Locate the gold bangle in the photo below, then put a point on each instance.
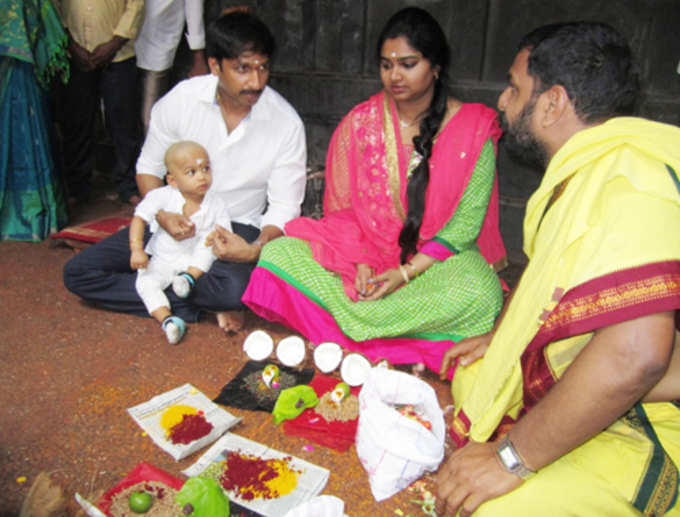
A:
(404, 273)
(414, 268)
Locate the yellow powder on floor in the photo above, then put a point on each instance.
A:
(174, 414)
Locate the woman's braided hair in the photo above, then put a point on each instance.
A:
(426, 36)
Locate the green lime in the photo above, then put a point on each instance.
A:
(140, 502)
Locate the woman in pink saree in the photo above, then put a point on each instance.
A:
(402, 263)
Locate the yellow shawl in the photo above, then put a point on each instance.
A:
(620, 208)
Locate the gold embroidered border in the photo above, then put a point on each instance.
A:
(664, 492)
(613, 299)
(392, 157)
(657, 488)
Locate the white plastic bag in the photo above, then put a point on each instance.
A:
(396, 450)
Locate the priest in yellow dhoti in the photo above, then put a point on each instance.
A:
(571, 404)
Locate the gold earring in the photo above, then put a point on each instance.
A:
(436, 76)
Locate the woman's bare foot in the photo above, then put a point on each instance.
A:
(231, 321)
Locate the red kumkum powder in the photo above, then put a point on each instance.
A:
(249, 476)
(192, 427)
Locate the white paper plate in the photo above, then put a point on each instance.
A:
(291, 350)
(327, 356)
(258, 345)
(354, 369)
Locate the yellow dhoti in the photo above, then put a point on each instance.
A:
(602, 233)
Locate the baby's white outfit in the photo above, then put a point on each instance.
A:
(169, 257)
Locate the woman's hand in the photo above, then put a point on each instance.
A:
(362, 281)
(469, 350)
(138, 259)
(177, 225)
(386, 283)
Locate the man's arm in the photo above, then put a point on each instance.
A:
(618, 367)
(193, 11)
(103, 54)
(146, 182)
(80, 57)
(130, 22)
(177, 225)
(287, 180)
(231, 247)
(126, 29)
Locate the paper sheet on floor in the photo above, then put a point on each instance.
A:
(311, 480)
(148, 417)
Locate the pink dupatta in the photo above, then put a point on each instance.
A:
(366, 178)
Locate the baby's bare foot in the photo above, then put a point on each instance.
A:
(231, 321)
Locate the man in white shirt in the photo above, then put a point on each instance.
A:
(157, 44)
(256, 143)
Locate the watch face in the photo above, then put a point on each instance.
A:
(508, 458)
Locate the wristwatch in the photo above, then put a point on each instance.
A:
(511, 460)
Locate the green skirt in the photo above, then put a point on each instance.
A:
(456, 298)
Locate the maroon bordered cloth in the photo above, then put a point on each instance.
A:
(84, 234)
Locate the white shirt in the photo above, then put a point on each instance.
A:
(260, 164)
(159, 38)
(162, 246)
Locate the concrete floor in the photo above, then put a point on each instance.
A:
(69, 371)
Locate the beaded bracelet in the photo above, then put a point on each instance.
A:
(404, 273)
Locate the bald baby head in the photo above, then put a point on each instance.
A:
(181, 151)
(188, 167)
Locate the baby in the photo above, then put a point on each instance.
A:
(179, 263)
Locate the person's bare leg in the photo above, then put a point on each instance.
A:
(195, 272)
(231, 321)
(161, 313)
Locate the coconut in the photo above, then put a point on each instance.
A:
(327, 356)
(354, 369)
(291, 350)
(258, 345)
